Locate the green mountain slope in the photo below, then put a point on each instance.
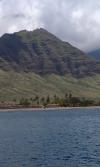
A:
(38, 63)
(17, 85)
(42, 53)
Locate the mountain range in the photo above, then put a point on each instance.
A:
(95, 54)
(37, 62)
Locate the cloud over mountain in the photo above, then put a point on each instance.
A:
(74, 21)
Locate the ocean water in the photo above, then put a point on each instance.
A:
(68, 138)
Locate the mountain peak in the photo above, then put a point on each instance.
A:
(40, 30)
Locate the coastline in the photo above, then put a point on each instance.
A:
(44, 109)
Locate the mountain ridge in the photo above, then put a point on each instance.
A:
(43, 53)
(38, 63)
(95, 54)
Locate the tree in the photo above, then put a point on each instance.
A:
(24, 101)
(36, 99)
(55, 99)
(48, 100)
(70, 95)
(42, 100)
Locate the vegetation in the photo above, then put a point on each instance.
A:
(42, 53)
(25, 102)
(36, 64)
(67, 101)
(14, 86)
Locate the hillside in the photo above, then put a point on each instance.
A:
(95, 54)
(38, 63)
(42, 53)
(16, 85)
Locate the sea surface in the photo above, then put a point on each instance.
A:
(64, 138)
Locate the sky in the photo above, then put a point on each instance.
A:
(74, 21)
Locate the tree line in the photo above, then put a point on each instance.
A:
(67, 101)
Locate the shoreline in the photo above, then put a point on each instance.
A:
(44, 109)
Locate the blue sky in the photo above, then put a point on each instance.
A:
(74, 21)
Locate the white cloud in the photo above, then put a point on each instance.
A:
(74, 21)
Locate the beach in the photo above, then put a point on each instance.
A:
(44, 109)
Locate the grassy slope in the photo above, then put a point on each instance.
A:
(15, 85)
